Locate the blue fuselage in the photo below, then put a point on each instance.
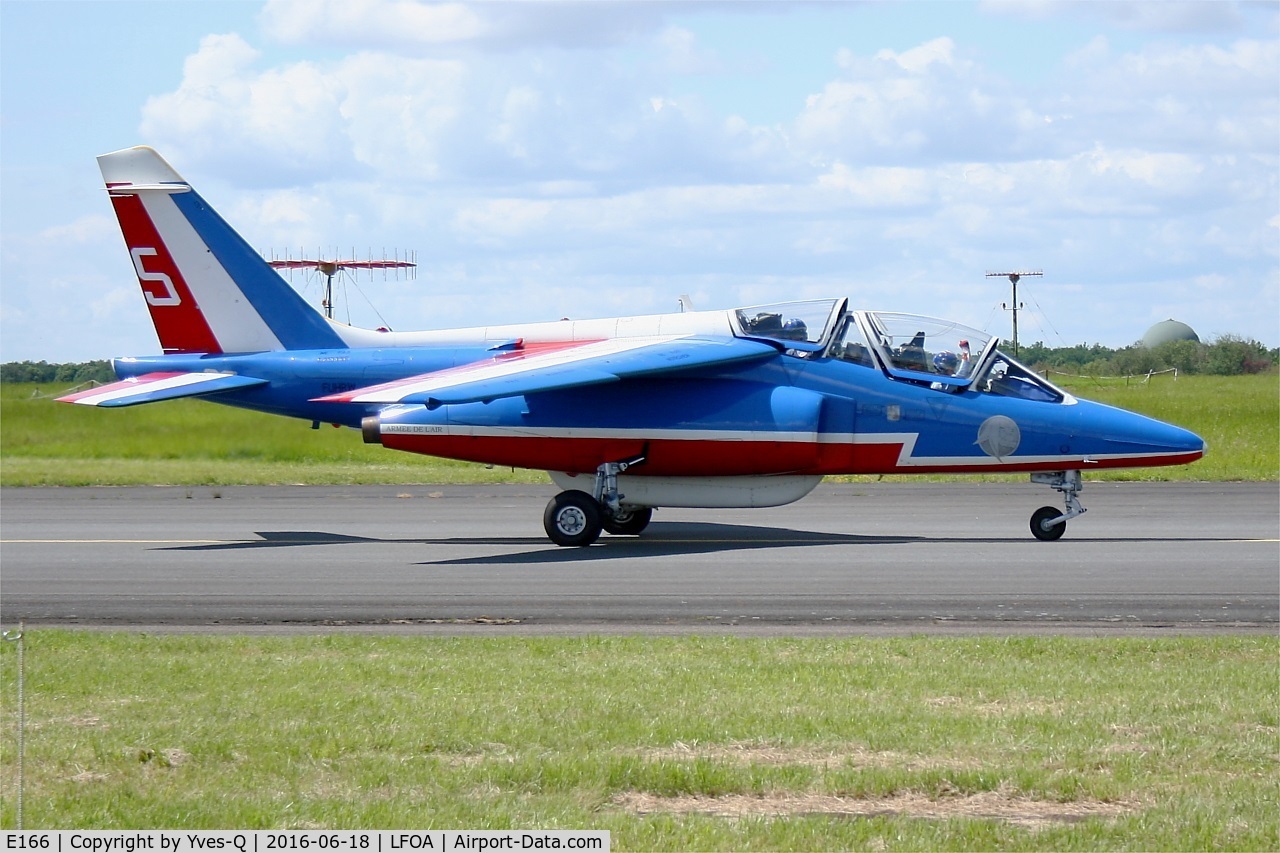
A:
(794, 413)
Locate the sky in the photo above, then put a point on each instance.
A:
(596, 159)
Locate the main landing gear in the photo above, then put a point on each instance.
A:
(1047, 523)
(575, 518)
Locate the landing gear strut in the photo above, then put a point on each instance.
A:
(1047, 523)
(575, 518)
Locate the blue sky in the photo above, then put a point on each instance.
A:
(600, 159)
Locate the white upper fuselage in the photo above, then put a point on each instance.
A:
(688, 323)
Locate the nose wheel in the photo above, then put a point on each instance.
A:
(1043, 525)
(1047, 523)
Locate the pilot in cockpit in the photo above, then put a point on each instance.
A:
(966, 361)
(794, 330)
(946, 363)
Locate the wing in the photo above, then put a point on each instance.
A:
(152, 387)
(541, 367)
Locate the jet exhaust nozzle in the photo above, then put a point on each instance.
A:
(371, 429)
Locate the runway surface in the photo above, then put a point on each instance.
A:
(863, 558)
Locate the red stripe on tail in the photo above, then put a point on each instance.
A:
(179, 322)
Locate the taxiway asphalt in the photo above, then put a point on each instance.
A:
(852, 558)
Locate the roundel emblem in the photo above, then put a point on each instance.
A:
(999, 436)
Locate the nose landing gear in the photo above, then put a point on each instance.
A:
(1047, 523)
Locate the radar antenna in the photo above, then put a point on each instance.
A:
(330, 268)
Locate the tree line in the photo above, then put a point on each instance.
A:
(1227, 355)
(68, 374)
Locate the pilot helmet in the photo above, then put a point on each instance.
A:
(946, 362)
(795, 330)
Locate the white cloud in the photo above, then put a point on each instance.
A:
(399, 115)
(1170, 16)
(916, 106)
(557, 117)
(680, 53)
(409, 26)
(912, 163)
(84, 231)
(283, 122)
(366, 22)
(880, 187)
(1201, 96)
(917, 60)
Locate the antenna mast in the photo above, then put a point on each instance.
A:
(331, 268)
(1014, 277)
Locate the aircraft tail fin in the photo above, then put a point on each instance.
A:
(207, 290)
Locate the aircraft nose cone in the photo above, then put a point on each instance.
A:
(1174, 439)
(1145, 440)
(1186, 439)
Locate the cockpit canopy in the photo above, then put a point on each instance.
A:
(914, 345)
(811, 322)
(941, 354)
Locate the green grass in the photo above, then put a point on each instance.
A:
(1239, 417)
(189, 442)
(1164, 743)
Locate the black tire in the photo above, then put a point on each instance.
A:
(628, 522)
(573, 519)
(1043, 532)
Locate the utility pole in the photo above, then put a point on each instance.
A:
(1014, 277)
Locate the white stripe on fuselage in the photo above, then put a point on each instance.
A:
(498, 368)
(645, 325)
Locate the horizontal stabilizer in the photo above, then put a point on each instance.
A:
(153, 387)
(543, 368)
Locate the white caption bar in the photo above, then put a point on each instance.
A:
(311, 840)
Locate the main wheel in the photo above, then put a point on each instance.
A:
(1041, 529)
(572, 519)
(628, 522)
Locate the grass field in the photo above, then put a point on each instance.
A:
(701, 743)
(1239, 417)
(188, 442)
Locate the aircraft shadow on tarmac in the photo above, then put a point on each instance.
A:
(666, 539)
(661, 539)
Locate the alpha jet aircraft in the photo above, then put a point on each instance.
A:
(747, 407)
